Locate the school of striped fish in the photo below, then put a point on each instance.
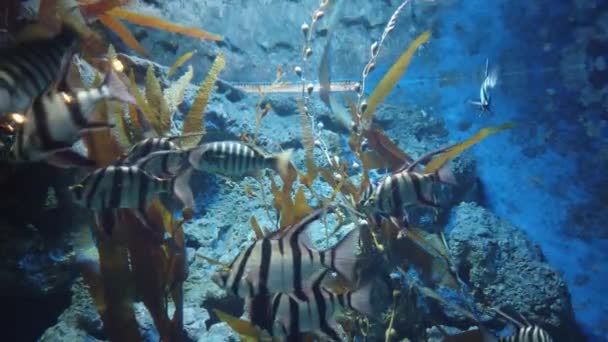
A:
(285, 281)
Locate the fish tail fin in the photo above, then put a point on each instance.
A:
(343, 258)
(117, 89)
(281, 161)
(181, 188)
(446, 176)
(195, 157)
(492, 78)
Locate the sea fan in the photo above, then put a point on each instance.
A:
(157, 102)
(195, 120)
(174, 95)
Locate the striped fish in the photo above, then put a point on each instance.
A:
(530, 333)
(167, 164)
(403, 189)
(125, 186)
(237, 159)
(489, 82)
(285, 264)
(27, 70)
(527, 333)
(56, 119)
(115, 187)
(291, 316)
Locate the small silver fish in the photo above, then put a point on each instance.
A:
(56, 119)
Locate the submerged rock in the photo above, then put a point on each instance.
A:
(79, 322)
(503, 268)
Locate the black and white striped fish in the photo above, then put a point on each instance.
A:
(527, 333)
(29, 69)
(291, 316)
(56, 119)
(125, 186)
(237, 159)
(402, 189)
(530, 333)
(167, 164)
(489, 82)
(286, 264)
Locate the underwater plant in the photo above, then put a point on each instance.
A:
(297, 196)
(361, 193)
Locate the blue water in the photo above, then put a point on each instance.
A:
(533, 192)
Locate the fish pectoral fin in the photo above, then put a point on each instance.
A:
(69, 158)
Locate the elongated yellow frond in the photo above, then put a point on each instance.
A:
(123, 32)
(179, 62)
(245, 329)
(259, 234)
(89, 8)
(149, 21)
(174, 95)
(393, 75)
(301, 208)
(156, 100)
(440, 161)
(195, 120)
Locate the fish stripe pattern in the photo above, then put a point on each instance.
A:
(241, 269)
(264, 267)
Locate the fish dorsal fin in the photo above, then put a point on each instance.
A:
(424, 159)
(296, 230)
(254, 147)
